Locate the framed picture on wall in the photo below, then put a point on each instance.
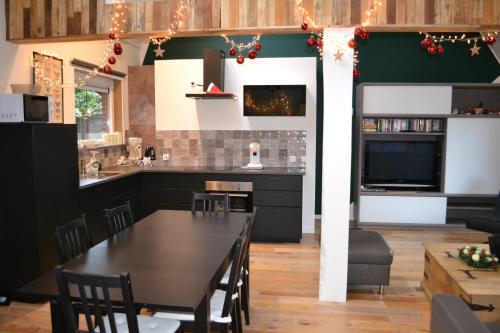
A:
(274, 101)
(48, 74)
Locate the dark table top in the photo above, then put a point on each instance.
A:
(173, 257)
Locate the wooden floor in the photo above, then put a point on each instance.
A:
(285, 290)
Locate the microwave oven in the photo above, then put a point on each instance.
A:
(19, 108)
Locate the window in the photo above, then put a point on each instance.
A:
(94, 109)
(92, 114)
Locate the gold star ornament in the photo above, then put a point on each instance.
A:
(338, 55)
(475, 49)
(159, 51)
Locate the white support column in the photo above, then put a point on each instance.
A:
(337, 133)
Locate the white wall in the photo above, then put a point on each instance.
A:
(15, 66)
(176, 112)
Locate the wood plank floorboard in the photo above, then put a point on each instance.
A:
(284, 290)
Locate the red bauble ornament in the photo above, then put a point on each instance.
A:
(432, 49)
(240, 59)
(355, 73)
(117, 45)
(258, 47)
(319, 42)
(117, 50)
(304, 26)
(232, 52)
(252, 54)
(426, 43)
(364, 35)
(107, 69)
(358, 31)
(440, 50)
(491, 39)
(310, 42)
(111, 60)
(112, 35)
(352, 43)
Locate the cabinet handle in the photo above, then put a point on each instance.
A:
(276, 178)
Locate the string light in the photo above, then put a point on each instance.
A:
(281, 102)
(118, 22)
(240, 47)
(176, 25)
(341, 44)
(433, 42)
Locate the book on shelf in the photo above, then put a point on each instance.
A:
(403, 125)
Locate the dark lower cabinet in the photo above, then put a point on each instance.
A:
(278, 224)
(279, 198)
(176, 189)
(94, 199)
(39, 180)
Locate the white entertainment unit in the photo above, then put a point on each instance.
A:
(467, 146)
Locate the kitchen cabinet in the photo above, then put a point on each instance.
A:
(176, 189)
(279, 198)
(39, 192)
(279, 202)
(94, 199)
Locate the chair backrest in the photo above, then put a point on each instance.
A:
(236, 265)
(73, 238)
(497, 206)
(118, 218)
(210, 201)
(93, 294)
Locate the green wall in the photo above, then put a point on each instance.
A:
(384, 57)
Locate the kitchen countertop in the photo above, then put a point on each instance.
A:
(125, 171)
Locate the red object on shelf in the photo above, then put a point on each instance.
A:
(213, 89)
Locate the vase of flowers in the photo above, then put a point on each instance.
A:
(477, 257)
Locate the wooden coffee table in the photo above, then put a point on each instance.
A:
(445, 273)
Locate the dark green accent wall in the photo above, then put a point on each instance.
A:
(384, 57)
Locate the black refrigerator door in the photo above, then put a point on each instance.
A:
(18, 237)
(55, 156)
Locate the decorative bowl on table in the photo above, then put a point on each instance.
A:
(477, 257)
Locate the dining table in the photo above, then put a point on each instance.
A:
(175, 260)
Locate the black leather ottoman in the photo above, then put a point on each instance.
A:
(370, 259)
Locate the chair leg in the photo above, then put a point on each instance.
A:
(245, 293)
(381, 289)
(234, 321)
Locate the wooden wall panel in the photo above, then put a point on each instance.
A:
(40, 19)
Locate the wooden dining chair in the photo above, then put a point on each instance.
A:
(73, 238)
(101, 314)
(225, 305)
(118, 218)
(245, 272)
(210, 201)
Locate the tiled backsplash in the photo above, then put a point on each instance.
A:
(107, 155)
(231, 148)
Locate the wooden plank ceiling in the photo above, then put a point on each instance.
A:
(31, 20)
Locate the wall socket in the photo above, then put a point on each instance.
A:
(165, 157)
(292, 158)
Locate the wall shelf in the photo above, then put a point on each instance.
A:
(211, 96)
(404, 133)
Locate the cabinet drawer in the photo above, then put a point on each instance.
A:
(176, 196)
(278, 224)
(278, 198)
(183, 180)
(278, 183)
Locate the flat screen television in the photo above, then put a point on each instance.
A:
(402, 164)
(274, 100)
